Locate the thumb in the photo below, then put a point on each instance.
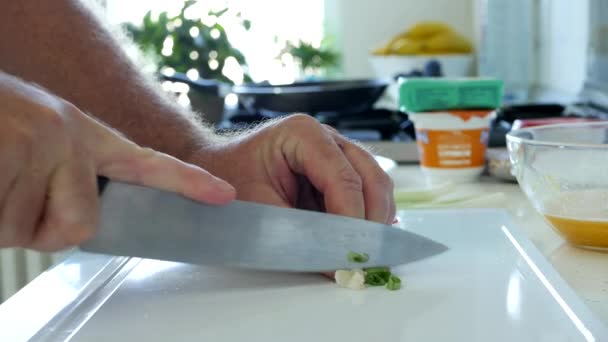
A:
(122, 160)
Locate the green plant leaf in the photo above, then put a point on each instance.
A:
(187, 4)
(246, 24)
(218, 13)
(152, 32)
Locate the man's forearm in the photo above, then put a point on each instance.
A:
(63, 46)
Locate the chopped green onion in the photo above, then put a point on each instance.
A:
(373, 276)
(377, 276)
(394, 283)
(374, 279)
(357, 257)
(384, 272)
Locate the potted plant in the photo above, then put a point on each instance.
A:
(193, 42)
(313, 61)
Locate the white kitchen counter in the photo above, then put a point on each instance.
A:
(585, 271)
(70, 282)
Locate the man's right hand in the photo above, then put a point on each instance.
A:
(50, 155)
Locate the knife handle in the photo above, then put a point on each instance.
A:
(101, 184)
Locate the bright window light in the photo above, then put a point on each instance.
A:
(297, 20)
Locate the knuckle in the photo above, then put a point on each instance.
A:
(52, 118)
(383, 180)
(330, 128)
(47, 125)
(362, 149)
(23, 139)
(22, 142)
(350, 179)
(302, 120)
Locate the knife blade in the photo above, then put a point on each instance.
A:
(148, 223)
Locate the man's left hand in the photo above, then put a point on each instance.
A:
(298, 162)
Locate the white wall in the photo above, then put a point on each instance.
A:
(562, 44)
(358, 26)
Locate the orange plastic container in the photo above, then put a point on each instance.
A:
(452, 143)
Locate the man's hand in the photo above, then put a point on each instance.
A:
(298, 162)
(50, 154)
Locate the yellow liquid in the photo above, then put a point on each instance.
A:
(581, 232)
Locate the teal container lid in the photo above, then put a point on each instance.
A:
(433, 94)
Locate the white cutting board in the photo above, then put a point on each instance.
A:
(492, 285)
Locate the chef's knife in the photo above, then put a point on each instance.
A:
(149, 223)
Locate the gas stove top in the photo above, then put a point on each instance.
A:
(376, 124)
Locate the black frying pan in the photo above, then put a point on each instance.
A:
(505, 116)
(347, 96)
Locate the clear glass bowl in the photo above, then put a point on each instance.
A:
(563, 169)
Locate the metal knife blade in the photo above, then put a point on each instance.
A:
(149, 223)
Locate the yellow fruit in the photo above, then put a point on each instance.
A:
(427, 29)
(386, 49)
(448, 43)
(395, 39)
(427, 37)
(406, 46)
(381, 51)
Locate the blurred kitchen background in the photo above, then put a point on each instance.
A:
(550, 34)
(241, 62)
(237, 61)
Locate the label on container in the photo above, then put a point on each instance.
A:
(452, 149)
